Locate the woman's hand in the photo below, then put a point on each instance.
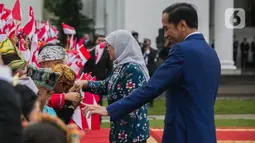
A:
(73, 96)
(93, 109)
(82, 83)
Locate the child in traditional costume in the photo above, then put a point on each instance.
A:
(49, 56)
(64, 85)
(45, 80)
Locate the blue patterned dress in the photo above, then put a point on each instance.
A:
(134, 127)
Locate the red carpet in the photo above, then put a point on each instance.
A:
(96, 136)
(222, 134)
(226, 134)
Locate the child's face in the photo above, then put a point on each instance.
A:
(44, 95)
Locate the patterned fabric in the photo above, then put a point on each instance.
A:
(17, 64)
(11, 55)
(49, 110)
(14, 61)
(6, 47)
(43, 77)
(134, 127)
(67, 75)
(51, 53)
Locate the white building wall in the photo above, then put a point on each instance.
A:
(24, 4)
(144, 16)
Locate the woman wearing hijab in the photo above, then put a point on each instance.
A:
(129, 73)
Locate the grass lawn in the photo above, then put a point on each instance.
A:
(219, 123)
(221, 107)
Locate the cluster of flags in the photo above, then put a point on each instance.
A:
(40, 33)
(84, 122)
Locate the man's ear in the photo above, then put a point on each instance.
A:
(183, 25)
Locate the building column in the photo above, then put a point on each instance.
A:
(115, 15)
(223, 36)
(100, 17)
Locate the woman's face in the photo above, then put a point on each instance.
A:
(14, 39)
(44, 95)
(33, 115)
(27, 42)
(110, 50)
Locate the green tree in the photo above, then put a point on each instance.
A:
(68, 12)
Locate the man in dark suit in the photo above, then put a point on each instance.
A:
(245, 46)
(150, 57)
(190, 75)
(253, 51)
(103, 67)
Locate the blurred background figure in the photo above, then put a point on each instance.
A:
(245, 46)
(136, 36)
(87, 41)
(235, 49)
(150, 57)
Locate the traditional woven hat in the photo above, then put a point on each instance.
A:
(43, 77)
(51, 53)
(13, 61)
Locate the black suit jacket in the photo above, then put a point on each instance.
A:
(152, 61)
(102, 69)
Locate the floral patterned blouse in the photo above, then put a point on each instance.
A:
(134, 127)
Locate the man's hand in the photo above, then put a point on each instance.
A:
(93, 109)
(73, 96)
(82, 83)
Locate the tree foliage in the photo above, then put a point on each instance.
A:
(69, 12)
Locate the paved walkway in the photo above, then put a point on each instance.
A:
(229, 116)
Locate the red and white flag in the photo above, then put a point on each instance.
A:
(42, 35)
(92, 123)
(76, 66)
(83, 53)
(16, 11)
(34, 51)
(99, 50)
(24, 52)
(69, 30)
(29, 28)
(5, 14)
(1, 11)
(53, 32)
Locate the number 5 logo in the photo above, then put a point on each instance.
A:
(235, 18)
